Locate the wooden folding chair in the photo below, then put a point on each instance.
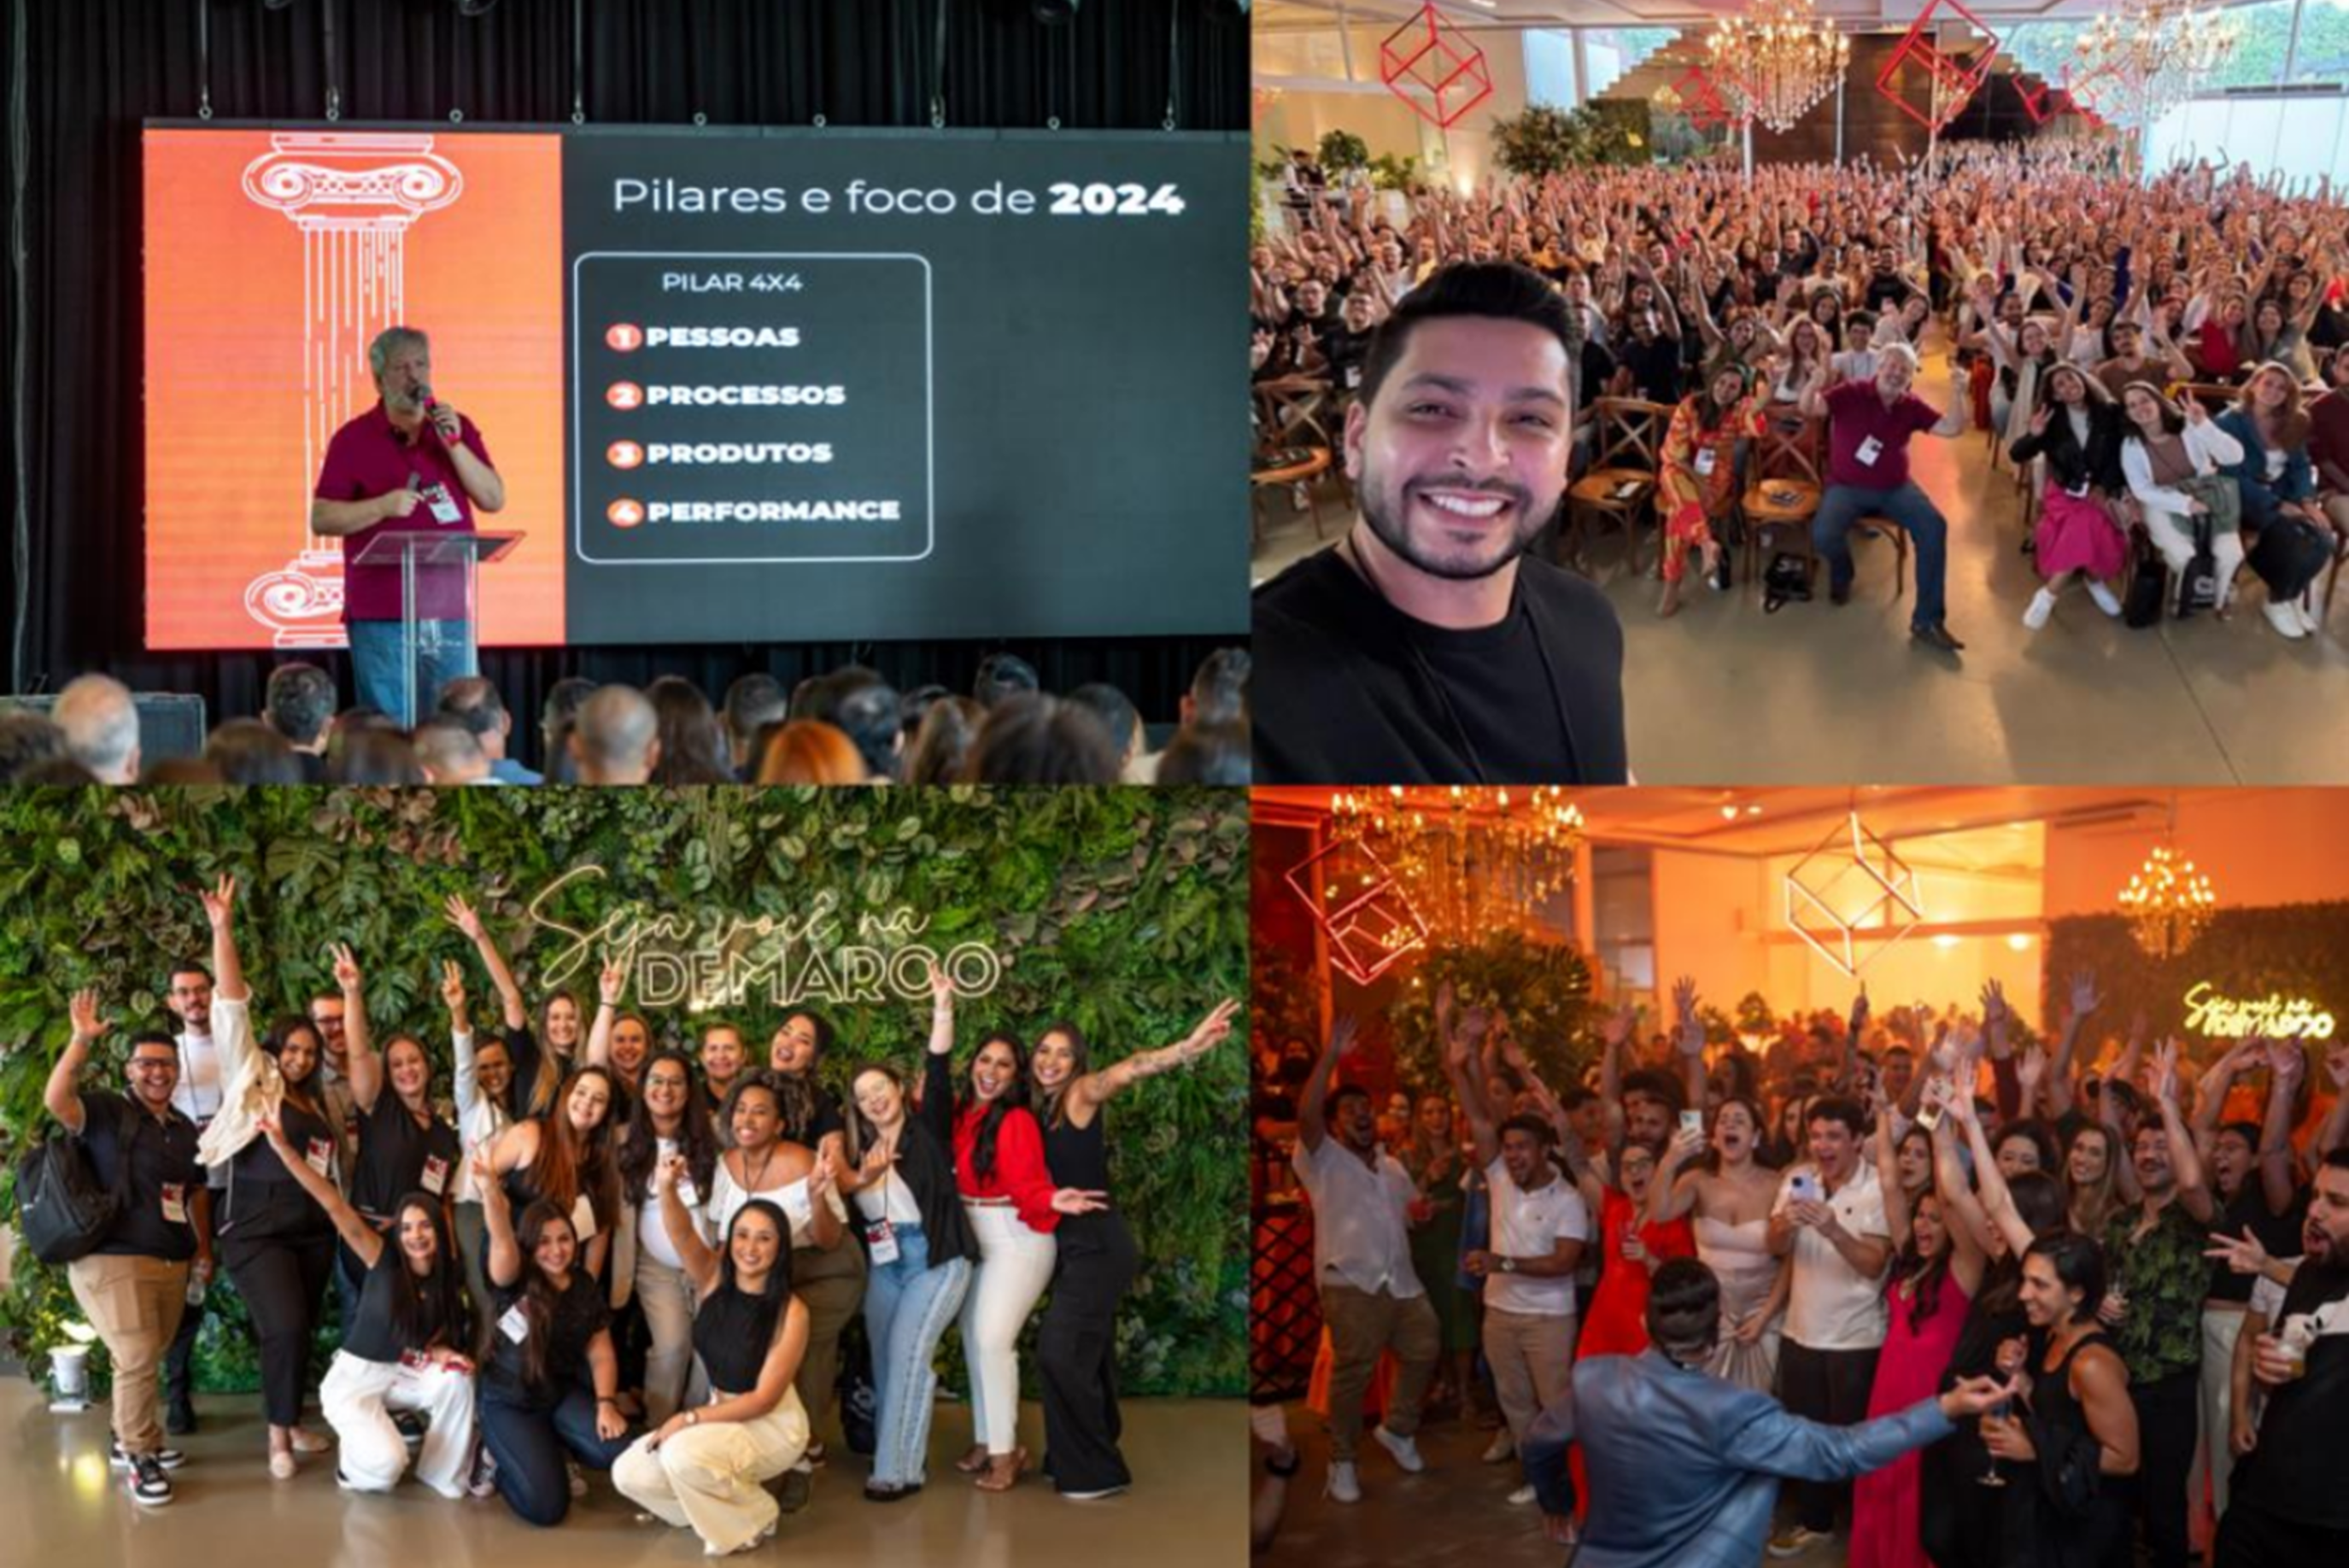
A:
(1294, 446)
(1782, 493)
(1622, 483)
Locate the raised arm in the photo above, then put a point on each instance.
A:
(1465, 1072)
(460, 1037)
(610, 986)
(2085, 1001)
(228, 970)
(1956, 419)
(697, 1256)
(365, 1064)
(1312, 1123)
(62, 1094)
(1887, 1175)
(357, 1233)
(1613, 1034)
(2276, 1184)
(1212, 1031)
(2336, 1131)
(2193, 1191)
(503, 1261)
(462, 916)
(2211, 1094)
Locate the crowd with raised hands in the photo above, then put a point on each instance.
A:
(562, 1245)
(2155, 360)
(2123, 1273)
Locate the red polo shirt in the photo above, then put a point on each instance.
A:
(1855, 414)
(370, 456)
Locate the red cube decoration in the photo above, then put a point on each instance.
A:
(1364, 914)
(1950, 76)
(1431, 64)
(2082, 92)
(1701, 101)
(2046, 101)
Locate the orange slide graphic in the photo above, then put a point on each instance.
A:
(273, 258)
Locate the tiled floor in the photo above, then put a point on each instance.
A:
(1723, 693)
(62, 1507)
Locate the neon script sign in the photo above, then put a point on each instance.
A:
(715, 960)
(2227, 1018)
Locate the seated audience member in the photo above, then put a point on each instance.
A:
(1032, 738)
(941, 748)
(1206, 754)
(2172, 458)
(1428, 646)
(692, 741)
(248, 752)
(865, 707)
(101, 725)
(615, 738)
(753, 702)
(2291, 540)
(1002, 675)
(2328, 449)
(299, 704)
(557, 716)
(808, 751)
(373, 754)
(2077, 427)
(27, 741)
(474, 702)
(450, 753)
(1121, 724)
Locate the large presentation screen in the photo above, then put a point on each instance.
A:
(740, 385)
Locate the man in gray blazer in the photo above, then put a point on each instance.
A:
(1683, 1467)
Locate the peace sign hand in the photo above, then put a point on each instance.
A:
(346, 967)
(221, 902)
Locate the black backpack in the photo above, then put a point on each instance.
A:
(2198, 586)
(63, 1211)
(1787, 577)
(2149, 591)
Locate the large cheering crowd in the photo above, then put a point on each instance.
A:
(2156, 360)
(2147, 1258)
(616, 1255)
(849, 726)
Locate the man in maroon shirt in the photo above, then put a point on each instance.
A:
(410, 462)
(1869, 426)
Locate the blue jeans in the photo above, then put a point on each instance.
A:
(529, 1446)
(1904, 504)
(907, 1307)
(445, 651)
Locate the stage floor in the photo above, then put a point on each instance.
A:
(1189, 1506)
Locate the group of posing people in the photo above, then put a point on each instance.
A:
(2039, 1312)
(1792, 309)
(616, 1256)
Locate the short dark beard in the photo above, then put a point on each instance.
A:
(1392, 533)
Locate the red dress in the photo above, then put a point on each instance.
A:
(1886, 1503)
(1618, 1324)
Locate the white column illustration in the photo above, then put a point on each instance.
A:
(353, 196)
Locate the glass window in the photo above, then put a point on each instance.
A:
(2323, 42)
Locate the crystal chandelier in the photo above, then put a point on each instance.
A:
(2167, 903)
(2142, 59)
(1777, 60)
(1471, 861)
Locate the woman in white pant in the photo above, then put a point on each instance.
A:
(404, 1347)
(649, 1269)
(1013, 1208)
(2164, 448)
(706, 1468)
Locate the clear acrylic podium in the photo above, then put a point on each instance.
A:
(421, 554)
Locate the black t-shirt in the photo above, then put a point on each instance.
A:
(264, 1198)
(397, 1157)
(731, 1334)
(2280, 1233)
(1349, 690)
(1346, 350)
(1887, 289)
(580, 1314)
(1655, 367)
(164, 1176)
(2295, 1472)
(373, 1334)
(823, 1119)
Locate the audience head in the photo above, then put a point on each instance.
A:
(1215, 754)
(2062, 1280)
(101, 723)
(299, 704)
(692, 748)
(450, 752)
(27, 741)
(615, 738)
(1036, 739)
(941, 748)
(1219, 693)
(1834, 1126)
(560, 712)
(372, 753)
(1684, 1311)
(247, 751)
(1002, 675)
(862, 706)
(753, 702)
(474, 702)
(1118, 718)
(808, 751)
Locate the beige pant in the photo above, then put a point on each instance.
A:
(1360, 1326)
(358, 1398)
(135, 1305)
(1532, 1359)
(2216, 1456)
(712, 1478)
(830, 1284)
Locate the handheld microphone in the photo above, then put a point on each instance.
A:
(431, 405)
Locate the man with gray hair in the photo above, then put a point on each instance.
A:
(101, 725)
(617, 738)
(409, 463)
(1869, 426)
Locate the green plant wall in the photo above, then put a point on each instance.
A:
(1122, 911)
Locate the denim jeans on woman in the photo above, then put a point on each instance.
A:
(908, 1306)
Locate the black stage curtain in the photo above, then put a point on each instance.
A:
(81, 76)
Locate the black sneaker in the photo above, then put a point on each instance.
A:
(148, 1485)
(170, 1458)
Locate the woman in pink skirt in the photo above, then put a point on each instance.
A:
(2075, 425)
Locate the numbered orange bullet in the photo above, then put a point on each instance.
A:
(624, 395)
(625, 337)
(625, 514)
(624, 454)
